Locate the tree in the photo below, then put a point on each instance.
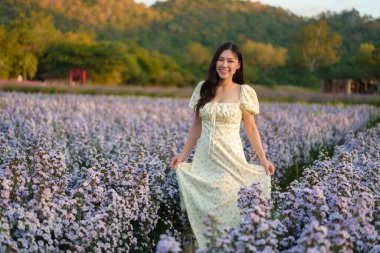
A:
(264, 55)
(5, 65)
(375, 63)
(317, 46)
(196, 58)
(105, 62)
(27, 38)
(364, 60)
(365, 51)
(198, 54)
(28, 64)
(34, 32)
(81, 36)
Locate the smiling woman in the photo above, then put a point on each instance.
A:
(211, 182)
(227, 64)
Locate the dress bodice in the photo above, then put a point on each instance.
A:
(221, 112)
(248, 102)
(222, 120)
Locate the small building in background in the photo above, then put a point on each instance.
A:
(350, 86)
(77, 76)
(71, 77)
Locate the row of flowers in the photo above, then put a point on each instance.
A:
(334, 207)
(83, 173)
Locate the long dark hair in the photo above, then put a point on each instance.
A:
(208, 89)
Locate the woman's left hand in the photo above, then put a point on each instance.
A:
(269, 167)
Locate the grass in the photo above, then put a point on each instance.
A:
(277, 93)
(288, 88)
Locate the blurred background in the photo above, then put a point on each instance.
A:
(329, 46)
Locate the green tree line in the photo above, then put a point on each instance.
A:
(172, 42)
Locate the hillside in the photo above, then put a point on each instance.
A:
(184, 30)
(168, 26)
(210, 22)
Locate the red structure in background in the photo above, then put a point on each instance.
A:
(78, 75)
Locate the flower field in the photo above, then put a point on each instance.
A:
(91, 174)
(334, 207)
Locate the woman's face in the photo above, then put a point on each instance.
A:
(227, 64)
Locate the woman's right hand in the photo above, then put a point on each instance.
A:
(177, 160)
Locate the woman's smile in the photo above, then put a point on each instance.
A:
(227, 64)
(223, 71)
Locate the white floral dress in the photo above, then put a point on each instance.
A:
(219, 168)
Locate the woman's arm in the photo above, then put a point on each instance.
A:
(192, 138)
(193, 135)
(255, 141)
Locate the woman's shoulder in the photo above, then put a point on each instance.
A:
(249, 99)
(247, 86)
(199, 85)
(196, 95)
(248, 90)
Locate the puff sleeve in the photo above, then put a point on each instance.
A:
(195, 96)
(250, 103)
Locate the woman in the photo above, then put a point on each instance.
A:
(219, 168)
